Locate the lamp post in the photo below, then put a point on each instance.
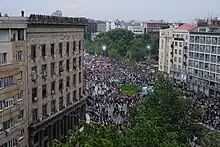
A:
(104, 50)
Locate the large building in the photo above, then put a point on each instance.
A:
(116, 24)
(12, 91)
(173, 51)
(54, 77)
(154, 26)
(204, 58)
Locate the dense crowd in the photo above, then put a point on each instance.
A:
(106, 103)
(209, 108)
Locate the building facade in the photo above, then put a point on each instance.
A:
(116, 24)
(136, 29)
(54, 79)
(173, 51)
(155, 26)
(12, 111)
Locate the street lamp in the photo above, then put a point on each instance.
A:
(104, 50)
(148, 47)
(103, 47)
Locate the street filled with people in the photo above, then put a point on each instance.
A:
(106, 103)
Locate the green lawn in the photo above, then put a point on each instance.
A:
(130, 89)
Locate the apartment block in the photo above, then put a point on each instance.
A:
(204, 58)
(54, 79)
(12, 111)
(165, 42)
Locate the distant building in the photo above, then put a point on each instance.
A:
(116, 24)
(155, 26)
(90, 29)
(136, 29)
(57, 13)
(101, 26)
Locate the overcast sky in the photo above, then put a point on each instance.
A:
(171, 10)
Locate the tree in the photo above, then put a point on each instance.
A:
(120, 43)
(211, 139)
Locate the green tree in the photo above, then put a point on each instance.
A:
(211, 139)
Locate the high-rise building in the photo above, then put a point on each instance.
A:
(54, 77)
(12, 98)
(204, 58)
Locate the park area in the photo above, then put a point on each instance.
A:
(130, 89)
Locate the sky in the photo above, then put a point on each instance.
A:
(170, 10)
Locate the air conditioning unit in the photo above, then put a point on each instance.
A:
(35, 98)
(7, 131)
(40, 119)
(33, 60)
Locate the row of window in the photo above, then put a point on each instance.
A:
(10, 143)
(53, 86)
(203, 65)
(53, 106)
(204, 57)
(6, 103)
(205, 48)
(6, 82)
(205, 40)
(52, 49)
(204, 74)
(4, 57)
(44, 68)
(7, 124)
(180, 44)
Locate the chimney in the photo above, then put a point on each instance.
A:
(22, 13)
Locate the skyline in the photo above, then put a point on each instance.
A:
(109, 10)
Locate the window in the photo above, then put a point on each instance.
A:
(61, 66)
(175, 51)
(80, 92)
(179, 66)
(180, 44)
(3, 58)
(61, 84)
(6, 82)
(61, 49)
(53, 84)
(74, 96)
(176, 43)
(21, 34)
(10, 143)
(67, 48)
(53, 106)
(43, 50)
(80, 60)
(74, 63)
(18, 56)
(34, 114)
(68, 99)
(74, 80)
(80, 45)
(52, 69)
(60, 103)
(180, 60)
(74, 47)
(44, 91)
(8, 124)
(44, 70)
(21, 114)
(67, 65)
(80, 77)
(180, 52)
(34, 94)
(44, 110)
(52, 49)
(6, 103)
(33, 52)
(68, 81)
(175, 59)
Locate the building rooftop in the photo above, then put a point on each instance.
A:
(50, 20)
(156, 21)
(187, 27)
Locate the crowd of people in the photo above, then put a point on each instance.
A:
(107, 104)
(209, 108)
